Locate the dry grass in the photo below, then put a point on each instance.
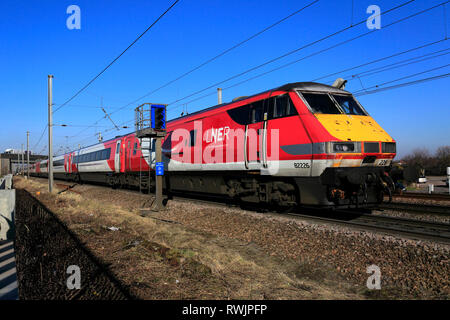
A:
(157, 259)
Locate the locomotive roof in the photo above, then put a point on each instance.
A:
(311, 86)
(304, 86)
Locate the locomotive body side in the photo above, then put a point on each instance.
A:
(324, 159)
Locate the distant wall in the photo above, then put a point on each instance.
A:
(5, 167)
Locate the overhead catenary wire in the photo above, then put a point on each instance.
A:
(274, 59)
(322, 77)
(296, 50)
(318, 52)
(402, 78)
(400, 64)
(40, 138)
(405, 84)
(381, 59)
(438, 77)
(116, 58)
(341, 31)
(397, 64)
(220, 54)
(109, 65)
(214, 58)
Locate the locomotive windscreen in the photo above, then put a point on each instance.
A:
(349, 105)
(321, 103)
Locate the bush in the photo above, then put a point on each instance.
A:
(432, 164)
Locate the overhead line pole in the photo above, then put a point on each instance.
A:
(21, 167)
(117, 58)
(50, 132)
(28, 154)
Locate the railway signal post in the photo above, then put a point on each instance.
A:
(151, 123)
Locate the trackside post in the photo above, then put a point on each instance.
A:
(50, 137)
(151, 123)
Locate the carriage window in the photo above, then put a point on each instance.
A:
(58, 163)
(134, 148)
(193, 137)
(349, 105)
(167, 145)
(321, 103)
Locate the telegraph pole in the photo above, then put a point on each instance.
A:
(28, 154)
(50, 135)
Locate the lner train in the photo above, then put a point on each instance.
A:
(302, 143)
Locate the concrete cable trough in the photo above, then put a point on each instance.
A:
(8, 273)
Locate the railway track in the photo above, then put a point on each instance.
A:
(416, 208)
(422, 196)
(416, 229)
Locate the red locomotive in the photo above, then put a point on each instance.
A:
(301, 143)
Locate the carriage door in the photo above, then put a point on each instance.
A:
(66, 163)
(268, 110)
(253, 136)
(69, 163)
(117, 156)
(129, 154)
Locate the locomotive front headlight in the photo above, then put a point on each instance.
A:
(344, 147)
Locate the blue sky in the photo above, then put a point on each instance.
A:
(35, 42)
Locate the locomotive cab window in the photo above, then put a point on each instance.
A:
(349, 105)
(321, 103)
(277, 107)
(241, 115)
(256, 112)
